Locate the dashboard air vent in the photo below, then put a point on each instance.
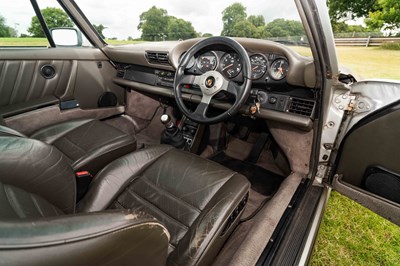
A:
(120, 73)
(157, 58)
(301, 106)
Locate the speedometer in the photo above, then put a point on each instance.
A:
(231, 65)
(207, 62)
(258, 66)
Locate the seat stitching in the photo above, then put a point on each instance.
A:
(169, 193)
(74, 144)
(36, 204)
(229, 178)
(56, 210)
(11, 201)
(117, 203)
(109, 142)
(87, 128)
(160, 210)
(92, 152)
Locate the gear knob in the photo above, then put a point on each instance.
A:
(166, 120)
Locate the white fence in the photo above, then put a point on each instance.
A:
(369, 41)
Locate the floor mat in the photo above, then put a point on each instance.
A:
(262, 181)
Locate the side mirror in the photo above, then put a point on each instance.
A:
(66, 37)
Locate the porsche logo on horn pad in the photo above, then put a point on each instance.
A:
(210, 81)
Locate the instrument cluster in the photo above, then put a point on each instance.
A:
(230, 65)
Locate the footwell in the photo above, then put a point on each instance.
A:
(262, 181)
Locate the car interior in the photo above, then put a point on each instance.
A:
(187, 152)
(114, 144)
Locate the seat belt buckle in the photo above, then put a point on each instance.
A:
(83, 174)
(83, 180)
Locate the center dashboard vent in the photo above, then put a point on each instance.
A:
(301, 106)
(157, 58)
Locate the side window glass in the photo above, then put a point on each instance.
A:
(15, 25)
(20, 27)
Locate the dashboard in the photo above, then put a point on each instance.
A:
(283, 82)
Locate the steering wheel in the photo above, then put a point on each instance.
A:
(212, 82)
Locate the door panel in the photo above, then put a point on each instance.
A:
(368, 165)
(27, 81)
(23, 80)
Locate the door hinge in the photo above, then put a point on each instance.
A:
(352, 103)
(323, 173)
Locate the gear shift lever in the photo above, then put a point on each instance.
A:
(172, 134)
(166, 120)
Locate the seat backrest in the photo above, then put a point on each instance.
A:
(38, 168)
(102, 238)
(37, 189)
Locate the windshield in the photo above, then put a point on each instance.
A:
(132, 21)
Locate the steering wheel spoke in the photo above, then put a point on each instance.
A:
(233, 88)
(202, 107)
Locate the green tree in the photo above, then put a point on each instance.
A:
(386, 15)
(230, 16)
(54, 17)
(342, 27)
(244, 28)
(179, 29)
(99, 28)
(153, 24)
(284, 28)
(378, 14)
(206, 35)
(257, 21)
(340, 9)
(6, 31)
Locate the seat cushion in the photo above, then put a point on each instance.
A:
(191, 196)
(89, 144)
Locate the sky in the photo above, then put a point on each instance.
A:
(121, 17)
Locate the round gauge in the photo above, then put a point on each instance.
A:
(231, 65)
(191, 63)
(279, 69)
(258, 66)
(207, 62)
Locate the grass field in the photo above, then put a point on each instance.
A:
(44, 42)
(350, 234)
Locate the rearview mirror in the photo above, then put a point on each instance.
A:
(66, 36)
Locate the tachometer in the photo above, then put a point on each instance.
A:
(207, 62)
(258, 66)
(231, 65)
(279, 69)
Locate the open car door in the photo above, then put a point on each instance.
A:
(367, 164)
(359, 153)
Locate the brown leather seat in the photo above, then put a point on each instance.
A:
(198, 201)
(88, 144)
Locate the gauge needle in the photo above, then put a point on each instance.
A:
(280, 68)
(227, 67)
